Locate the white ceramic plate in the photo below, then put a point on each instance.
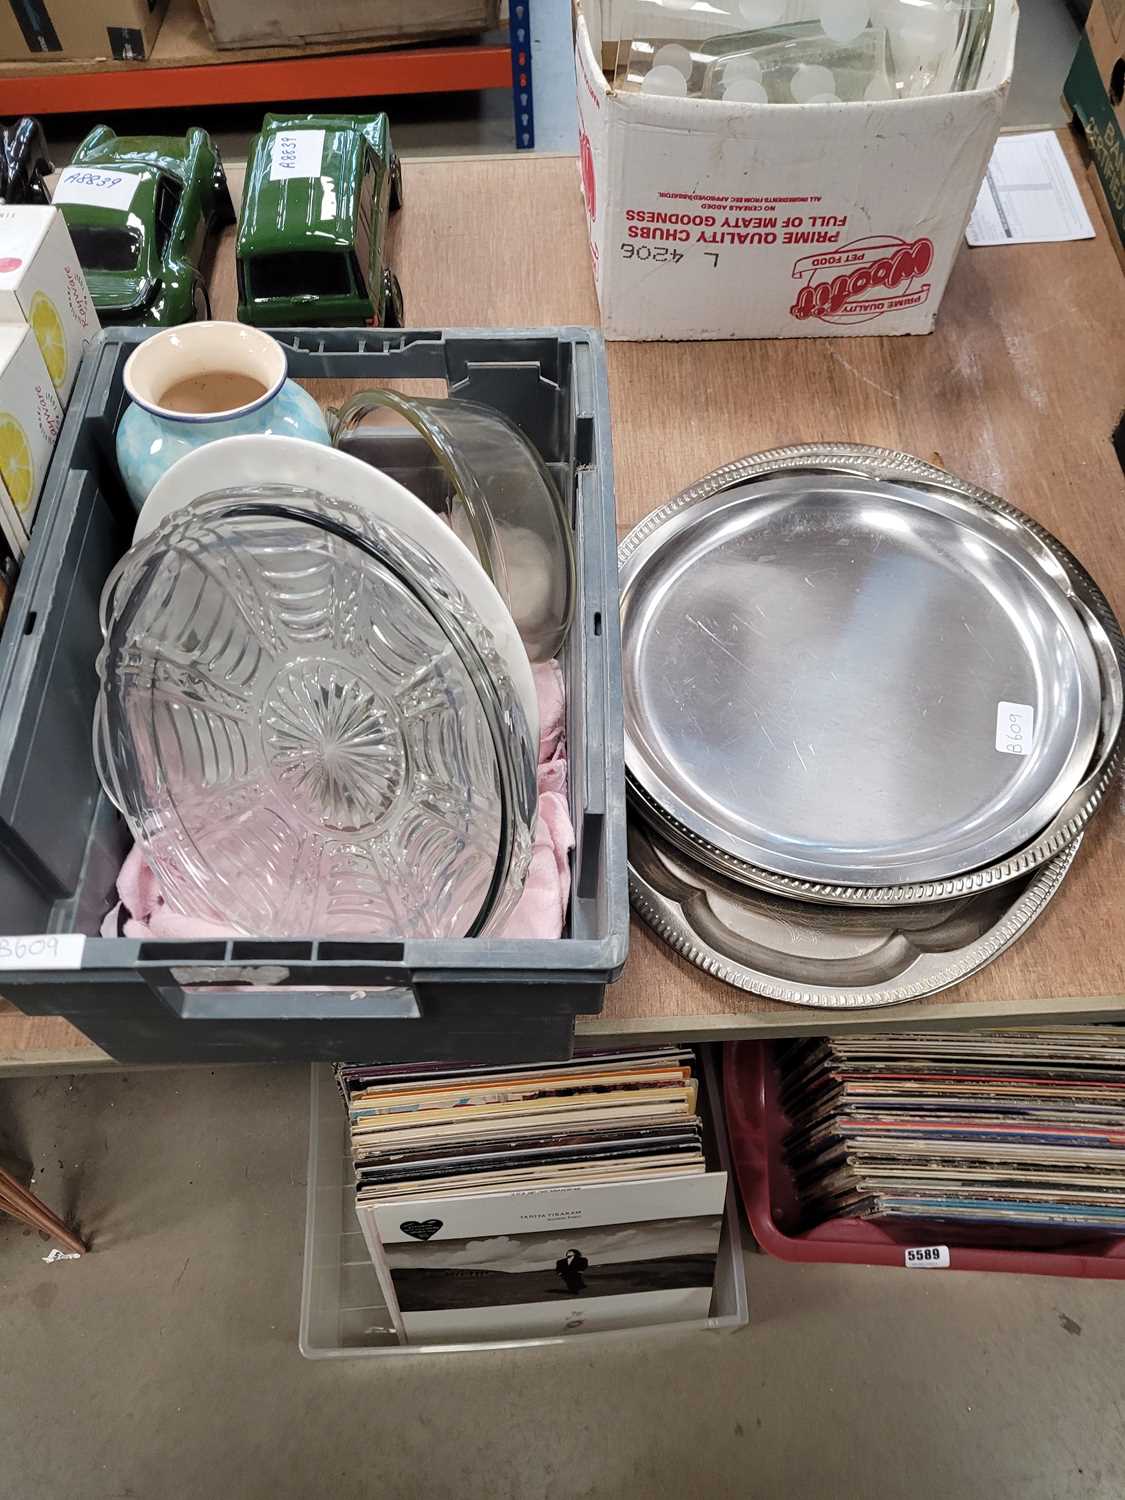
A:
(256, 459)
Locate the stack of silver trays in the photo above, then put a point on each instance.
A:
(869, 710)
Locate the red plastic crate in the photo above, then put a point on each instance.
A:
(757, 1126)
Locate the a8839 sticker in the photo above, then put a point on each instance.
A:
(99, 188)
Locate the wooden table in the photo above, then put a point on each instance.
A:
(1018, 391)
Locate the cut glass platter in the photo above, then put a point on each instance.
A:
(325, 473)
(308, 728)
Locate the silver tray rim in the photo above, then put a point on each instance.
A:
(866, 462)
(667, 920)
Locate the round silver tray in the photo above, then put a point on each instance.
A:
(686, 811)
(837, 958)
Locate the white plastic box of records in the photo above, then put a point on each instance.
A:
(589, 1199)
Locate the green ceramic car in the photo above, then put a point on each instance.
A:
(313, 228)
(139, 210)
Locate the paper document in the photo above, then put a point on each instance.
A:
(1028, 195)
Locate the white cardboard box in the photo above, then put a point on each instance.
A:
(30, 418)
(42, 284)
(710, 220)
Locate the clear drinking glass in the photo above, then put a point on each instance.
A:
(803, 51)
(308, 729)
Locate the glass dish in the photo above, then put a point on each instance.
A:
(308, 729)
(805, 51)
(473, 466)
(251, 460)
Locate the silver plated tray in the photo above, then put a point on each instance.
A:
(918, 793)
(831, 957)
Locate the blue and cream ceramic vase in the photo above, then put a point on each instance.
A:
(188, 386)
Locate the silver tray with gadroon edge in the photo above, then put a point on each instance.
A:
(838, 958)
(698, 783)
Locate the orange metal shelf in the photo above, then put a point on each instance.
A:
(421, 70)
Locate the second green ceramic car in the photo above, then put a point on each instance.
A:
(312, 233)
(139, 209)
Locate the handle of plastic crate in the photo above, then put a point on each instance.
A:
(597, 630)
(387, 1003)
(263, 992)
(597, 712)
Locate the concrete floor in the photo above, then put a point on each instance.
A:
(164, 1365)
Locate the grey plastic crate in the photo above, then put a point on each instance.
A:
(343, 1311)
(61, 842)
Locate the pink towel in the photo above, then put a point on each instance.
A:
(540, 912)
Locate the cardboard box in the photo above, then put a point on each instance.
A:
(30, 418)
(43, 285)
(710, 220)
(1094, 89)
(52, 30)
(285, 23)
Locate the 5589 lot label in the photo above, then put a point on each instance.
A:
(927, 1257)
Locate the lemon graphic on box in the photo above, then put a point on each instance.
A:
(47, 327)
(16, 466)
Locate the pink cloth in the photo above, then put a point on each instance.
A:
(540, 912)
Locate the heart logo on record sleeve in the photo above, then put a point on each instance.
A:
(421, 1229)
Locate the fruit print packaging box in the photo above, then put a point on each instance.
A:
(30, 419)
(42, 284)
